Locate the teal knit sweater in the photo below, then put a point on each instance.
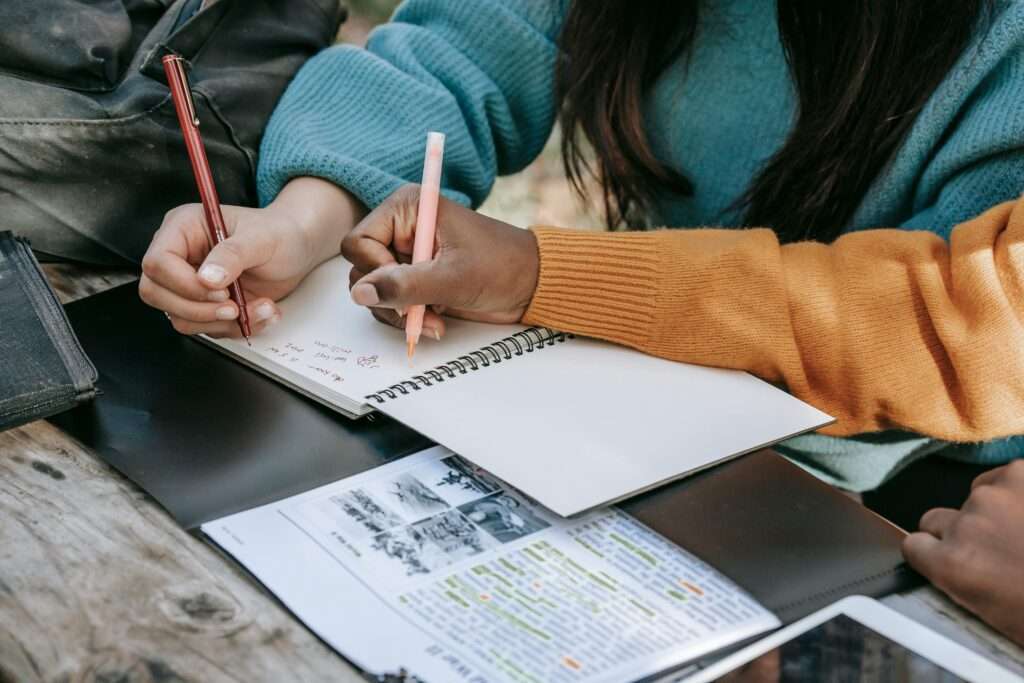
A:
(481, 71)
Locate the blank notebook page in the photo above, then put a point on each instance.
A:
(584, 423)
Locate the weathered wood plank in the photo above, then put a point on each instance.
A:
(72, 281)
(97, 583)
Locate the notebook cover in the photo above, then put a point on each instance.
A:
(42, 367)
(207, 437)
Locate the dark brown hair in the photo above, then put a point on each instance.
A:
(862, 72)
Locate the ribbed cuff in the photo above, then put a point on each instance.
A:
(596, 284)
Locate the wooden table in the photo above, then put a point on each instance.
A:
(97, 582)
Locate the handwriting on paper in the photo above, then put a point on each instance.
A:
(322, 359)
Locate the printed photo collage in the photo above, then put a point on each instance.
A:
(425, 518)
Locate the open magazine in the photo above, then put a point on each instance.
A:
(432, 566)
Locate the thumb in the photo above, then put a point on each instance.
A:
(228, 260)
(399, 286)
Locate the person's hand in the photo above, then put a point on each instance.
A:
(269, 251)
(976, 554)
(482, 269)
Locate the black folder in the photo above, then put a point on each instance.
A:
(42, 367)
(206, 437)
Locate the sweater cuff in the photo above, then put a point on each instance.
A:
(596, 284)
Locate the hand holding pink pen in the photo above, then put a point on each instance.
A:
(426, 227)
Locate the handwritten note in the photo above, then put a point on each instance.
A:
(326, 361)
(325, 337)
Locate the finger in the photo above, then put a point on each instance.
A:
(238, 253)
(388, 230)
(183, 232)
(354, 276)
(263, 310)
(924, 553)
(366, 296)
(403, 286)
(217, 330)
(937, 521)
(388, 316)
(165, 300)
(262, 315)
(171, 271)
(366, 253)
(178, 245)
(434, 325)
(992, 476)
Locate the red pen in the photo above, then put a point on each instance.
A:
(181, 93)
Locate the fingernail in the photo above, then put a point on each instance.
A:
(217, 295)
(433, 332)
(264, 311)
(227, 313)
(437, 335)
(401, 312)
(273, 321)
(212, 274)
(365, 295)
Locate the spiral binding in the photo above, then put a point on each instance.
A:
(517, 344)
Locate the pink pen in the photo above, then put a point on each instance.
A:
(426, 227)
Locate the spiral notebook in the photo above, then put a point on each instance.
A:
(574, 423)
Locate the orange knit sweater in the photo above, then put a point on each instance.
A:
(882, 328)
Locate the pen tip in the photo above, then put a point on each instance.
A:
(247, 341)
(411, 348)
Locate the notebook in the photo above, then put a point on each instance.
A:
(573, 422)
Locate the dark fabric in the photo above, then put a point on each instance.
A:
(207, 436)
(91, 156)
(928, 483)
(42, 367)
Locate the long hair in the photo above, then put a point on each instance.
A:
(862, 72)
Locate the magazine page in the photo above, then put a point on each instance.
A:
(431, 565)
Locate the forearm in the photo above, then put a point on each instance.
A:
(882, 329)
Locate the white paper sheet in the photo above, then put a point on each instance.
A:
(583, 423)
(430, 565)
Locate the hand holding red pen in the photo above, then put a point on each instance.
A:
(184, 277)
(181, 94)
(269, 251)
(205, 258)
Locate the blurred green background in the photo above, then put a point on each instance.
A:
(539, 195)
(374, 11)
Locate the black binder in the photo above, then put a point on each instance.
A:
(208, 437)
